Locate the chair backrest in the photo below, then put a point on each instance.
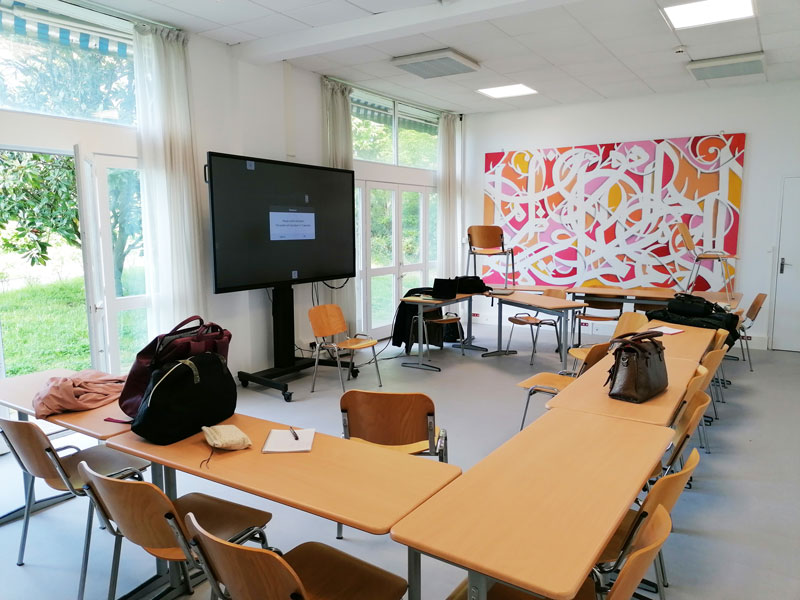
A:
(711, 361)
(648, 542)
(667, 489)
(604, 304)
(595, 354)
(30, 445)
(719, 339)
(555, 293)
(247, 573)
(485, 236)
(755, 307)
(686, 424)
(683, 230)
(387, 418)
(629, 322)
(326, 320)
(138, 509)
(696, 383)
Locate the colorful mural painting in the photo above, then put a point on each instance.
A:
(606, 214)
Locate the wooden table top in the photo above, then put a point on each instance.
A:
(434, 301)
(537, 512)
(653, 294)
(357, 484)
(692, 343)
(17, 393)
(588, 394)
(539, 301)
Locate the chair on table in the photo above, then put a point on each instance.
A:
(403, 422)
(488, 240)
(449, 318)
(553, 383)
(665, 492)
(327, 320)
(37, 457)
(648, 541)
(746, 322)
(628, 322)
(612, 311)
(142, 513)
(536, 323)
(707, 255)
(310, 571)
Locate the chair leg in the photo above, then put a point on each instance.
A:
(112, 580)
(535, 341)
(377, 370)
(87, 540)
(747, 345)
(352, 362)
(510, 335)
(339, 368)
(661, 562)
(26, 520)
(339, 531)
(531, 392)
(704, 436)
(187, 579)
(559, 349)
(461, 340)
(316, 364)
(513, 270)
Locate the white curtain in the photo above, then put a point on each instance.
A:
(446, 183)
(171, 215)
(337, 132)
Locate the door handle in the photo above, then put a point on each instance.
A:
(784, 264)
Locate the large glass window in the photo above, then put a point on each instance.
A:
(63, 68)
(388, 131)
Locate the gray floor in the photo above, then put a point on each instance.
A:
(736, 533)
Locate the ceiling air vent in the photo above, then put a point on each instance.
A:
(437, 63)
(727, 66)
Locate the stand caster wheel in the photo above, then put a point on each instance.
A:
(355, 373)
(244, 382)
(287, 396)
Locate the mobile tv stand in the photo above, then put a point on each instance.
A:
(286, 363)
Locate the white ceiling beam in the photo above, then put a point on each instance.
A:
(383, 26)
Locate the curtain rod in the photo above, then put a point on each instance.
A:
(377, 93)
(78, 9)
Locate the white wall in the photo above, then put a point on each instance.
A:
(768, 114)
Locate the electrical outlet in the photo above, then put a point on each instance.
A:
(748, 338)
(476, 315)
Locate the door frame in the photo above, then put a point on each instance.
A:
(772, 302)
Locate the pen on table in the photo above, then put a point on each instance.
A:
(294, 433)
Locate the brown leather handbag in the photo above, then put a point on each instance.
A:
(639, 371)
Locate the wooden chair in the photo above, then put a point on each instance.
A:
(665, 492)
(449, 318)
(142, 513)
(553, 383)
(612, 311)
(685, 426)
(534, 322)
(746, 322)
(488, 240)
(310, 571)
(628, 322)
(327, 321)
(706, 255)
(712, 361)
(646, 545)
(37, 457)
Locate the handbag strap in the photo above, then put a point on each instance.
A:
(186, 321)
(635, 341)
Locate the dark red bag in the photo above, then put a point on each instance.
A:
(178, 344)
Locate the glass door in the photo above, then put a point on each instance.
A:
(114, 254)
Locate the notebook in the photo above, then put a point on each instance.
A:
(282, 440)
(444, 289)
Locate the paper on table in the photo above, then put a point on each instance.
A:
(282, 440)
(667, 330)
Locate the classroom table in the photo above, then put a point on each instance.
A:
(588, 393)
(355, 484)
(536, 302)
(423, 302)
(691, 343)
(538, 511)
(657, 296)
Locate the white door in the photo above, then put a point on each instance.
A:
(111, 233)
(787, 289)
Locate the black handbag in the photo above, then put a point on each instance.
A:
(183, 396)
(688, 305)
(639, 371)
(471, 284)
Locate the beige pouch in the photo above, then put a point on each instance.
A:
(228, 437)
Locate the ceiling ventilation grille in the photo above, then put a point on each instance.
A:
(437, 63)
(727, 66)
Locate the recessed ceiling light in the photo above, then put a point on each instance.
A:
(508, 91)
(708, 12)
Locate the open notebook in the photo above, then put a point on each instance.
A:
(282, 440)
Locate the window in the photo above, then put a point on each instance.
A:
(388, 131)
(55, 66)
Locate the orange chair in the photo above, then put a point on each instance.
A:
(488, 240)
(746, 322)
(706, 255)
(535, 322)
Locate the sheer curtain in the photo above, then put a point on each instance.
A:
(337, 132)
(446, 183)
(171, 216)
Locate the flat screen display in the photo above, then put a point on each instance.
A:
(279, 223)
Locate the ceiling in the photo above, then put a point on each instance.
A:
(569, 51)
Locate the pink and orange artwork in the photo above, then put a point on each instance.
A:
(606, 214)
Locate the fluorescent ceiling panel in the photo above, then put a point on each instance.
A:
(708, 12)
(508, 91)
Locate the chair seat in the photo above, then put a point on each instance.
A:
(502, 592)
(491, 251)
(528, 320)
(597, 318)
(579, 353)
(444, 320)
(100, 459)
(356, 343)
(328, 574)
(715, 256)
(413, 448)
(546, 381)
